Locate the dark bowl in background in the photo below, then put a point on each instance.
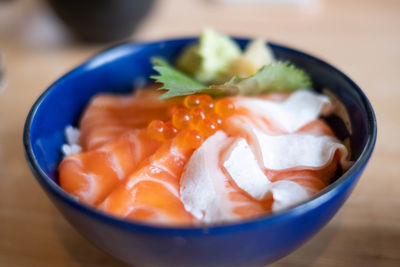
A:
(253, 242)
(101, 20)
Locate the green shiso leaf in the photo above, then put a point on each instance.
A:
(175, 82)
(276, 77)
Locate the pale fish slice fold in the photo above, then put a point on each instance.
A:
(300, 151)
(241, 164)
(300, 108)
(287, 194)
(203, 183)
(207, 191)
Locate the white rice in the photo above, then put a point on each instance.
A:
(72, 135)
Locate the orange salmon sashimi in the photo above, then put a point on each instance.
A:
(316, 127)
(151, 193)
(282, 115)
(312, 180)
(243, 120)
(108, 116)
(92, 175)
(241, 124)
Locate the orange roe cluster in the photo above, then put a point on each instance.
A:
(196, 119)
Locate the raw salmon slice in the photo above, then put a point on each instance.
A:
(312, 180)
(93, 174)
(108, 116)
(317, 127)
(243, 122)
(151, 193)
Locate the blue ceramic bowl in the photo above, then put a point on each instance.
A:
(249, 243)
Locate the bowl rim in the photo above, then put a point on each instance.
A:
(52, 187)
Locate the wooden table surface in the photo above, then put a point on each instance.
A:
(362, 38)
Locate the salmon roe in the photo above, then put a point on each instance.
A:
(191, 139)
(195, 120)
(207, 126)
(169, 130)
(206, 102)
(197, 115)
(181, 118)
(160, 130)
(224, 107)
(215, 118)
(191, 101)
(155, 129)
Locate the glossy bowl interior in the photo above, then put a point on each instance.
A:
(249, 243)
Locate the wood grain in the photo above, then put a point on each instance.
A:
(360, 37)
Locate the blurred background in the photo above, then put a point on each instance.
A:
(41, 40)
